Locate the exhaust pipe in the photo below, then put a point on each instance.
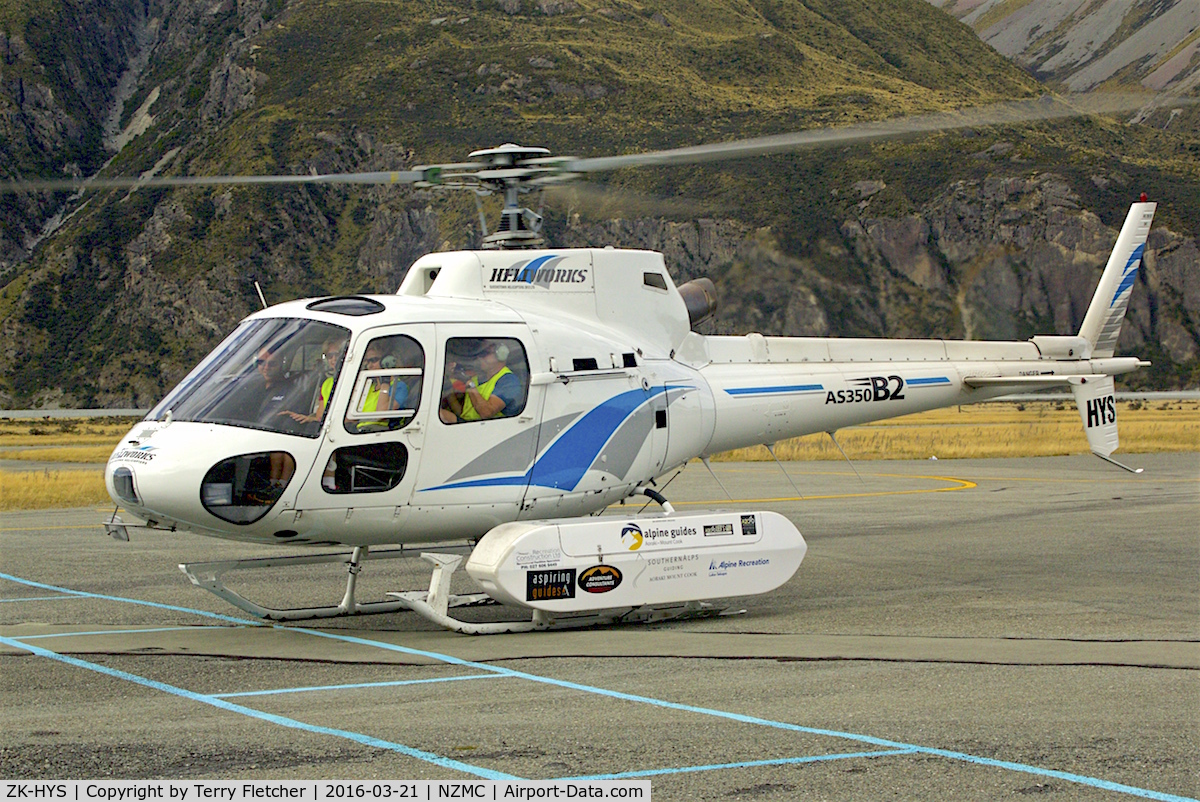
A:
(700, 297)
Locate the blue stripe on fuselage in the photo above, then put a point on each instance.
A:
(565, 462)
(787, 388)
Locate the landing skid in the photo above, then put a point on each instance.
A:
(434, 605)
(568, 573)
(208, 575)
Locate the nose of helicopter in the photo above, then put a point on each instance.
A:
(148, 480)
(201, 476)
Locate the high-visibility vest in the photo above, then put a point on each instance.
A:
(371, 404)
(486, 389)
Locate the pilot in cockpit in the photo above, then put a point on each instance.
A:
(277, 385)
(277, 393)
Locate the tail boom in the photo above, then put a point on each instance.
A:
(765, 389)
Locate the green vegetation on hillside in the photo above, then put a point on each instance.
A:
(136, 287)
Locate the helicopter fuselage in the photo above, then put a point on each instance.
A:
(371, 420)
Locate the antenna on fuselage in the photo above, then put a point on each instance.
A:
(839, 448)
(261, 299)
(771, 448)
(714, 476)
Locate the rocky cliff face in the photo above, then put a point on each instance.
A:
(1001, 258)
(133, 288)
(1018, 256)
(60, 77)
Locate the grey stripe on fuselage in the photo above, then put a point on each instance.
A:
(513, 454)
(625, 444)
(622, 448)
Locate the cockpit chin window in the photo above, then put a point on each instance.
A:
(276, 374)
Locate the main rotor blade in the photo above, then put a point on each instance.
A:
(1021, 111)
(382, 177)
(607, 201)
(559, 169)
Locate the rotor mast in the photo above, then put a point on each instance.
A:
(519, 226)
(511, 170)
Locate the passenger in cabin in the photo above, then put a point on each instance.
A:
(454, 382)
(491, 390)
(333, 351)
(396, 390)
(384, 393)
(408, 354)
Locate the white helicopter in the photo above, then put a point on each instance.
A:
(503, 398)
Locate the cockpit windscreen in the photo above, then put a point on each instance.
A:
(276, 374)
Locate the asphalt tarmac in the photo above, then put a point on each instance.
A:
(969, 629)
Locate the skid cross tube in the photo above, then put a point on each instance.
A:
(208, 575)
(433, 606)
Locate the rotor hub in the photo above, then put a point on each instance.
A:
(513, 170)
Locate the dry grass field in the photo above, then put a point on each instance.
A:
(79, 454)
(72, 441)
(65, 431)
(42, 490)
(1002, 429)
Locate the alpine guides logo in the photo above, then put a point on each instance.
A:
(544, 271)
(635, 536)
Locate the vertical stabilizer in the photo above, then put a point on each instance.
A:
(1098, 410)
(1102, 323)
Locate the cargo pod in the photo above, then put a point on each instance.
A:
(616, 569)
(609, 562)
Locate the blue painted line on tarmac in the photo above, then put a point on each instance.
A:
(782, 725)
(96, 632)
(1094, 782)
(86, 594)
(217, 702)
(40, 598)
(745, 764)
(232, 707)
(355, 686)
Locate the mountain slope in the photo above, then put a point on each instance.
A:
(131, 289)
(1084, 43)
